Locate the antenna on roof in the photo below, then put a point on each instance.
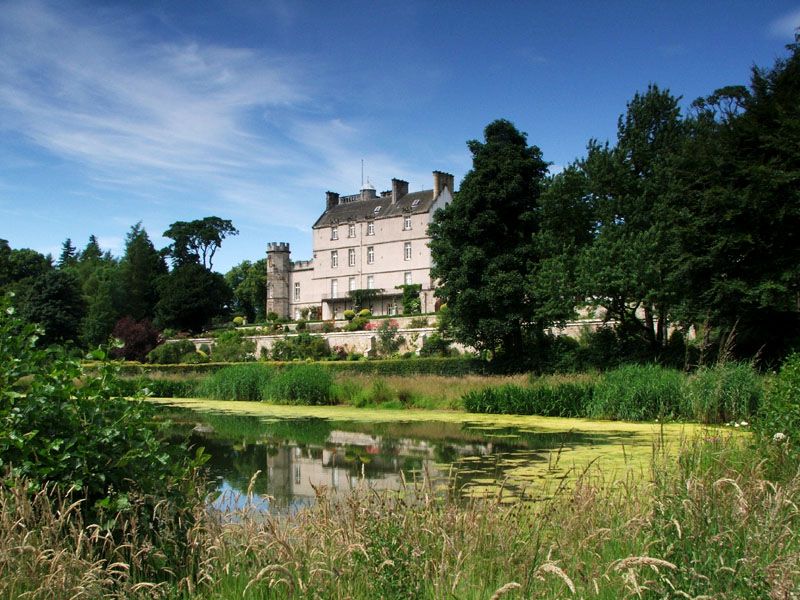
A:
(362, 173)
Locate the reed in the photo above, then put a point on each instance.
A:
(710, 526)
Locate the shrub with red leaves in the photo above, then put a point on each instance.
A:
(138, 337)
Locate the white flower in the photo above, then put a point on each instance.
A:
(744, 423)
(735, 424)
(779, 437)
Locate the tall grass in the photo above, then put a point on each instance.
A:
(237, 382)
(713, 526)
(637, 393)
(723, 393)
(301, 384)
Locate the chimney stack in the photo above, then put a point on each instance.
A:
(331, 200)
(399, 189)
(442, 180)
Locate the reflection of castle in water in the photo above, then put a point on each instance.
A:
(350, 459)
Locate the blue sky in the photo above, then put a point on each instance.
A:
(118, 112)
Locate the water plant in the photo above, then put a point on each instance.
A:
(237, 382)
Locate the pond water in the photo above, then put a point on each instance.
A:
(298, 449)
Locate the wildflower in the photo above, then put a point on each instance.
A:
(736, 425)
(744, 423)
(779, 437)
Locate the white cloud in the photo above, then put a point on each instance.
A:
(786, 25)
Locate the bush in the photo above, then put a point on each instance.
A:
(727, 392)
(388, 340)
(357, 324)
(233, 346)
(435, 345)
(301, 384)
(638, 393)
(138, 338)
(170, 353)
(237, 382)
(365, 313)
(301, 347)
(779, 418)
(301, 325)
(63, 427)
(238, 321)
(349, 314)
(418, 323)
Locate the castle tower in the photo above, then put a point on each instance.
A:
(278, 265)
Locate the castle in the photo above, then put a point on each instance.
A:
(364, 241)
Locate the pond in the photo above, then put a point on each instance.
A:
(299, 450)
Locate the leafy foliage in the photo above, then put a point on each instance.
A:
(55, 430)
(233, 346)
(486, 283)
(301, 347)
(190, 296)
(196, 242)
(138, 339)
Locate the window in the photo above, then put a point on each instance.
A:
(351, 230)
(407, 251)
(371, 228)
(415, 203)
(406, 222)
(334, 288)
(407, 278)
(377, 210)
(392, 309)
(370, 282)
(334, 258)
(296, 291)
(334, 233)
(351, 284)
(351, 257)
(370, 254)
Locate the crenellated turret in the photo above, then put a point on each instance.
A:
(278, 265)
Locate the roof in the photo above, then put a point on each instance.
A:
(364, 210)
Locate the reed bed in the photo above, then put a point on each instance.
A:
(711, 526)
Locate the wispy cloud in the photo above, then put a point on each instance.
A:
(152, 119)
(786, 25)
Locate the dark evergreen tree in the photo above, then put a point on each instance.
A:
(141, 268)
(190, 296)
(68, 256)
(54, 301)
(483, 246)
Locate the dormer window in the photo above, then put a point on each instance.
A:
(415, 203)
(377, 210)
(334, 233)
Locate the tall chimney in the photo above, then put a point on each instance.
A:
(399, 189)
(442, 180)
(331, 200)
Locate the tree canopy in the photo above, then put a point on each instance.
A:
(197, 241)
(482, 244)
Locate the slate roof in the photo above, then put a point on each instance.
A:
(364, 210)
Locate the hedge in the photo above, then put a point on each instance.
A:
(445, 366)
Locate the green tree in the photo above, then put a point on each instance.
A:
(69, 254)
(190, 296)
(141, 268)
(483, 247)
(53, 300)
(197, 241)
(741, 182)
(249, 284)
(629, 267)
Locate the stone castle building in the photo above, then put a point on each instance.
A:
(361, 241)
